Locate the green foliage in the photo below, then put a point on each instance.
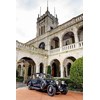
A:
(76, 72)
(49, 69)
(19, 79)
(71, 85)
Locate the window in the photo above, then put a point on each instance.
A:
(42, 45)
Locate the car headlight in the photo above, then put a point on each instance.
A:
(57, 82)
(51, 80)
(63, 82)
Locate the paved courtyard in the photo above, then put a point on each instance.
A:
(25, 94)
(19, 84)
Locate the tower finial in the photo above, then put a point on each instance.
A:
(54, 12)
(40, 11)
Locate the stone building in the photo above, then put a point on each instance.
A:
(57, 46)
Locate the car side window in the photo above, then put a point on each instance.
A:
(34, 81)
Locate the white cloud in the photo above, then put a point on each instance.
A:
(28, 10)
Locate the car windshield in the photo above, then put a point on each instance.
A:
(41, 75)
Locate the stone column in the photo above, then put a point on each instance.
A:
(26, 71)
(75, 30)
(49, 46)
(62, 69)
(21, 72)
(25, 74)
(37, 68)
(44, 69)
(60, 44)
(45, 64)
(66, 71)
(31, 69)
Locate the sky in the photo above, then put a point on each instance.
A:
(27, 12)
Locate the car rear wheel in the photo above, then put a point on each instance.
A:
(51, 90)
(29, 87)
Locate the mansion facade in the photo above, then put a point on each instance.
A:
(57, 46)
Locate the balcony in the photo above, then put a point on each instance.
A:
(32, 49)
(67, 48)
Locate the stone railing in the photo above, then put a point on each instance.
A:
(32, 49)
(67, 48)
(79, 18)
(80, 44)
(72, 46)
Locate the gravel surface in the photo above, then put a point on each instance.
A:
(25, 94)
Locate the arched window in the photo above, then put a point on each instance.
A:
(55, 43)
(42, 45)
(68, 38)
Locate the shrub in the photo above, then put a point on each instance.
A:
(71, 85)
(19, 79)
(76, 72)
(49, 69)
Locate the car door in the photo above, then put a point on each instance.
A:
(37, 83)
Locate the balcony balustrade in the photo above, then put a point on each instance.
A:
(67, 48)
(32, 49)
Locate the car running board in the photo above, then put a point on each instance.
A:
(36, 88)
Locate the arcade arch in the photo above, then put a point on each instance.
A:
(67, 65)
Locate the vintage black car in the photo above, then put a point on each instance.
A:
(41, 81)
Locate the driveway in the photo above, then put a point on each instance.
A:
(25, 94)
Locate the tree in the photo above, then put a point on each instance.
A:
(76, 71)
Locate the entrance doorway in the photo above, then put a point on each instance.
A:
(68, 68)
(55, 68)
(41, 67)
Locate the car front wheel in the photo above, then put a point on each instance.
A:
(65, 90)
(51, 90)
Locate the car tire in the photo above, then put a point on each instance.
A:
(64, 91)
(51, 90)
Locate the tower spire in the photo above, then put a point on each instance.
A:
(47, 5)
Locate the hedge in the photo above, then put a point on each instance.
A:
(19, 79)
(76, 72)
(49, 69)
